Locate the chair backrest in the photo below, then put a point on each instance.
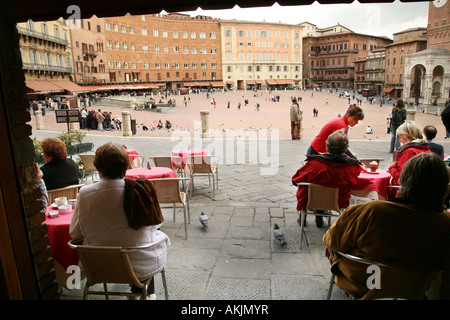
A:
(165, 162)
(322, 198)
(202, 164)
(107, 265)
(88, 162)
(71, 192)
(167, 190)
(137, 162)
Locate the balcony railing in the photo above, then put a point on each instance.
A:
(324, 52)
(48, 68)
(40, 35)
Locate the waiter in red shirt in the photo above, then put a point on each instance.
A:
(353, 115)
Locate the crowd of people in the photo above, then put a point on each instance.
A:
(99, 120)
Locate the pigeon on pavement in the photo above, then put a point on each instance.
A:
(279, 235)
(203, 220)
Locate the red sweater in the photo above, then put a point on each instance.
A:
(319, 142)
(408, 152)
(327, 174)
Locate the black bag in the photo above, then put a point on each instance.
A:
(397, 117)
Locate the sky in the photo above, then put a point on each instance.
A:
(377, 19)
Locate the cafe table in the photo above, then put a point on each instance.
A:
(58, 235)
(150, 173)
(372, 185)
(185, 153)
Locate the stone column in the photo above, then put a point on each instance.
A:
(74, 126)
(39, 120)
(410, 115)
(205, 123)
(126, 124)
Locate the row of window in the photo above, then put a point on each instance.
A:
(262, 56)
(261, 68)
(250, 33)
(262, 44)
(159, 65)
(160, 33)
(159, 49)
(48, 57)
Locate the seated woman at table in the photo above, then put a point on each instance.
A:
(121, 212)
(410, 231)
(59, 171)
(413, 143)
(333, 169)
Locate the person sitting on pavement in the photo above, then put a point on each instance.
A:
(430, 133)
(351, 118)
(333, 169)
(168, 124)
(118, 211)
(410, 231)
(58, 170)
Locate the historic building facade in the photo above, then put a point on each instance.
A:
(427, 72)
(332, 53)
(369, 72)
(46, 50)
(173, 49)
(405, 42)
(261, 55)
(89, 51)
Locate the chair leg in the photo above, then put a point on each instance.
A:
(214, 187)
(302, 225)
(330, 289)
(185, 223)
(166, 292)
(174, 214)
(105, 287)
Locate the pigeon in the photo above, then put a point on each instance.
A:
(279, 235)
(203, 220)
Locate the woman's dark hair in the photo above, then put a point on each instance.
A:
(111, 161)
(54, 148)
(400, 104)
(424, 181)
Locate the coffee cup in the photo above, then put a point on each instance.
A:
(373, 166)
(61, 201)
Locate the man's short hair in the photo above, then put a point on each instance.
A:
(430, 132)
(337, 143)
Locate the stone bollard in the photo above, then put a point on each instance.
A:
(39, 120)
(126, 124)
(74, 126)
(438, 112)
(410, 115)
(205, 123)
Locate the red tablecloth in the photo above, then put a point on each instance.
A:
(131, 152)
(184, 153)
(58, 235)
(373, 182)
(152, 173)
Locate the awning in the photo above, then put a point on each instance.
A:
(251, 82)
(285, 81)
(217, 83)
(68, 85)
(230, 82)
(43, 86)
(190, 84)
(271, 81)
(259, 81)
(388, 89)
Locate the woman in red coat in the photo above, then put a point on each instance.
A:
(333, 169)
(413, 143)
